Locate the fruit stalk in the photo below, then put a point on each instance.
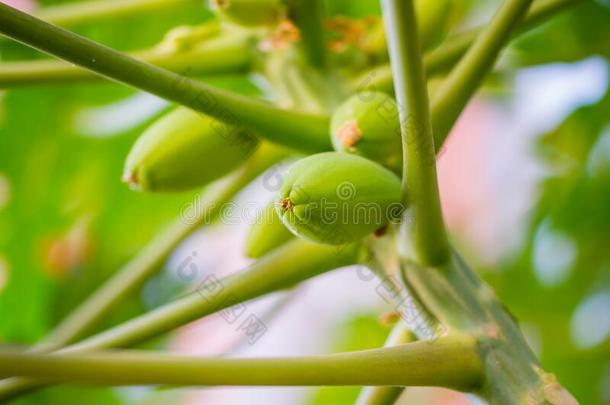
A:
(302, 131)
(451, 362)
(423, 223)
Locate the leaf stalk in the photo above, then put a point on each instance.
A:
(287, 266)
(451, 362)
(424, 222)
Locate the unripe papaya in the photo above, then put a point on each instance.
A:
(184, 149)
(367, 125)
(335, 198)
(433, 17)
(249, 12)
(267, 234)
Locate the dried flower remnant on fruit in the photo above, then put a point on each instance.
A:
(380, 232)
(349, 134)
(286, 205)
(131, 179)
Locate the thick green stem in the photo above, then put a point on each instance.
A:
(464, 80)
(451, 362)
(449, 53)
(216, 56)
(86, 11)
(308, 15)
(285, 267)
(424, 222)
(301, 131)
(456, 296)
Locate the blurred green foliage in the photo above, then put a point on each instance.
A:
(573, 212)
(574, 206)
(63, 183)
(569, 37)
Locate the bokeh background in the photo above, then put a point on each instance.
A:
(525, 182)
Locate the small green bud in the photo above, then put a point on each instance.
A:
(267, 234)
(368, 125)
(184, 150)
(336, 198)
(249, 12)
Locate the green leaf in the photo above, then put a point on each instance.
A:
(574, 35)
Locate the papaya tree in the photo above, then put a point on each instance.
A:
(347, 108)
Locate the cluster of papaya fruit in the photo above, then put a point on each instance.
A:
(333, 197)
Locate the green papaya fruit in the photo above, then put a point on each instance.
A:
(433, 18)
(335, 198)
(367, 125)
(184, 149)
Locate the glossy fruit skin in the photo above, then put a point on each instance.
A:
(267, 234)
(249, 12)
(335, 198)
(367, 125)
(184, 150)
